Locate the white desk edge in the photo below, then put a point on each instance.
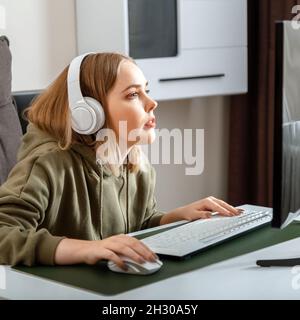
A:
(236, 278)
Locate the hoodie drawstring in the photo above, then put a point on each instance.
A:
(101, 202)
(127, 198)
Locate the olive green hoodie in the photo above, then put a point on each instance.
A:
(52, 193)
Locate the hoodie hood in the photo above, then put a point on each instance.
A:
(37, 142)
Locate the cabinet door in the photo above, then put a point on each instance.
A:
(213, 23)
(152, 28)
(197, 73)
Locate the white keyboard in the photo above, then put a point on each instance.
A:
(200, 234)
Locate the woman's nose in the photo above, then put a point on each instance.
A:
(151, 105)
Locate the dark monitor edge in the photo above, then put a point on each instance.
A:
(277, 142)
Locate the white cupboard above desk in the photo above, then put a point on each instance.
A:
(186, 48)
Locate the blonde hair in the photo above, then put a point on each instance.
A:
(50, 110)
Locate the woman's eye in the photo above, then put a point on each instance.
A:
(133, 95)
(136, 94)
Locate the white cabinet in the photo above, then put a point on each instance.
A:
(186, 48)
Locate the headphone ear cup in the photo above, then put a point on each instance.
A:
(88, 116)
(99, 111)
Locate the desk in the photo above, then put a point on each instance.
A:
(236, 278)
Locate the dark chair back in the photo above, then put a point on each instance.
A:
(22, 100)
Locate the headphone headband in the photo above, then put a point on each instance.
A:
(74, 90)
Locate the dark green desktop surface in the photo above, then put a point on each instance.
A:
(99, 279)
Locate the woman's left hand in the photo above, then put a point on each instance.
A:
(200, 209)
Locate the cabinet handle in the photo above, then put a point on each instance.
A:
(218, 75)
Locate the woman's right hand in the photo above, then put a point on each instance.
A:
(70, 251)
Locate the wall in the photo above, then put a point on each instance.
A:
(175, 188)
(42, 36)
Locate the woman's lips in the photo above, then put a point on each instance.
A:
(150, 124)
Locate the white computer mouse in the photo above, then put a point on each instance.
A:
(135, 267)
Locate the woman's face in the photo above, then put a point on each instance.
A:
(128, 103)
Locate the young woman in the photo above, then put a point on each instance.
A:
(63, 203)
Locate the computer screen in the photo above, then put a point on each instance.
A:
(286, 168)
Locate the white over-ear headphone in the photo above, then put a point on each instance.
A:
(87, 113)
